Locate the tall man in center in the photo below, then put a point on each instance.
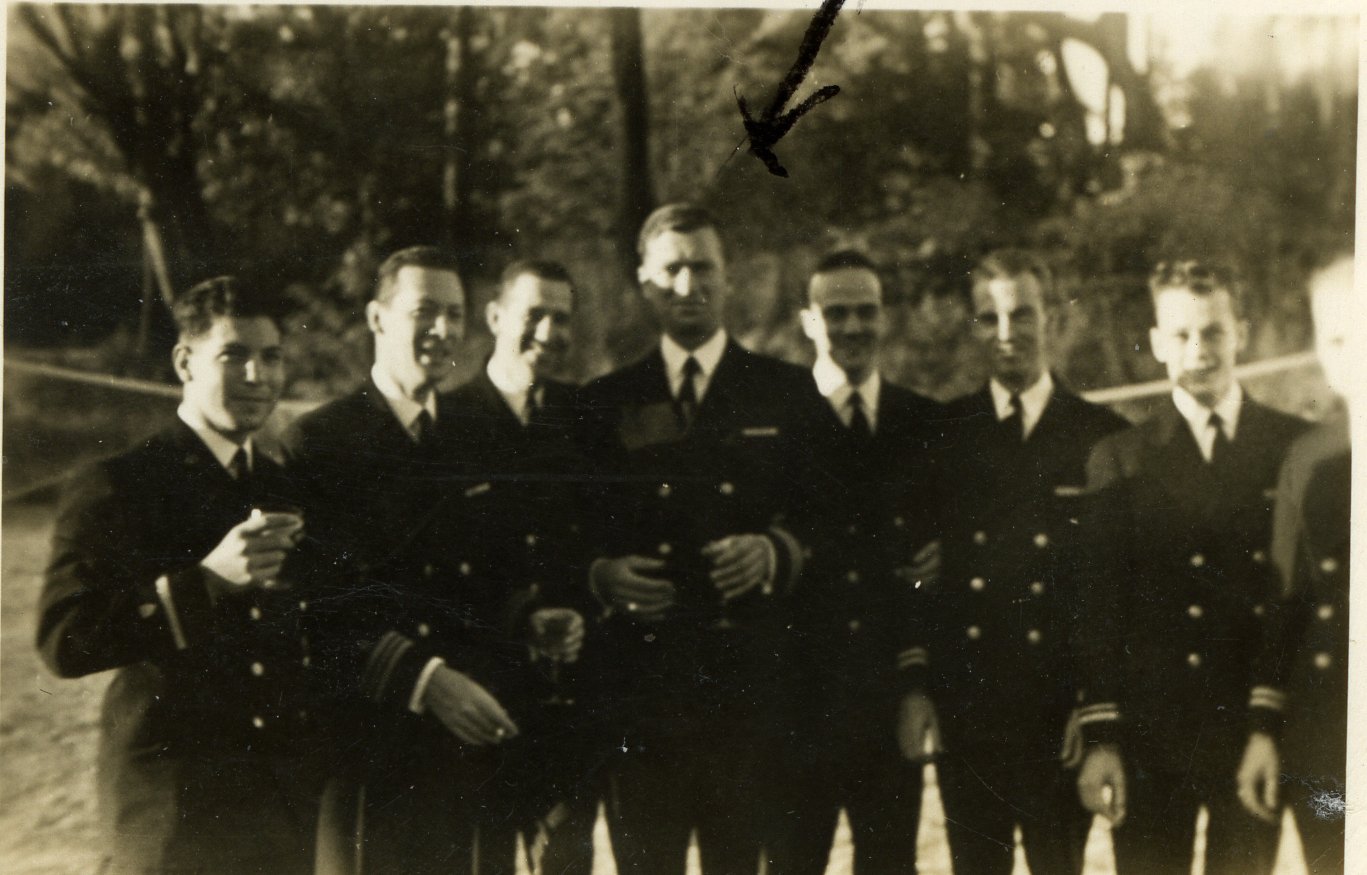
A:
(699, 467)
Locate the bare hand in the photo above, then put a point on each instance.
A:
(924, 568)
(558, 633)
(1101, 783)
(918, 728)
(739, 564)
(253, 550)
(1258, 776)
(626, 584)
(468, 710)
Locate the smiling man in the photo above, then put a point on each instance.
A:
(1180, 519)
(164, 567)
(400, 533)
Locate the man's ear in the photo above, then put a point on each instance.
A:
(811, 323)
(1156, 346)
(180, 360)
(492, 313)
(372, 317)
(642, 276)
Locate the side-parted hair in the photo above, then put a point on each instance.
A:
(845, 259)
(550, 271)
(195, 309)
(1200, 277)
(1012, 262)
(682, 217)
(428, 257)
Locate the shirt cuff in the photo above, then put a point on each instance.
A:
(415, 701)
(172, 618)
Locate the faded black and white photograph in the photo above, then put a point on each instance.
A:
(810, 438)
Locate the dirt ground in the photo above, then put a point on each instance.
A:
(48, 732)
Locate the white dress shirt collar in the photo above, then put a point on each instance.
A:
(834, 386)
(405, 409)
(1033, 401)
(513, 387)
(708, 357)
(221, 447)
(1197, 415)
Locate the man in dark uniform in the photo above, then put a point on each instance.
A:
(1000, 687)
(165, 565)
(516, 421)
(1181, 514)
(399, 525)
(697, 453)
(1303, 671)
(872, 442)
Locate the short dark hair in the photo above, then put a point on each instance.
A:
(844, 259)
(195, 309)
(429, 257)
(551, 271)
(1011, 262)
(1198, 276)
(681, 216)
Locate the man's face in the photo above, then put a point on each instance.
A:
(1198, 338)
(417, 329)
(1010, 323)
(683, 278)
(845, 319)
(232, 374)
(531, 323)
(1335, 338)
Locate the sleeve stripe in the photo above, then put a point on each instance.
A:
(172, 618)
(1267, 697)
(415, 701)
(383, 660)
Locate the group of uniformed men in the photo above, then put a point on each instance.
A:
(720, 595)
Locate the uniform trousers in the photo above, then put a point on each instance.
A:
(988, 793)
(1159, 831)
(207, 815)
(880, 792)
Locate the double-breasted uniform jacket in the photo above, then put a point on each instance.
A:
(1181, 585)
(201, 677)
(399, 534)
(877, 500)
(665, 491)
(999, 621)
(1303, 669)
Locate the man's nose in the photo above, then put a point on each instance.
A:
(1005, 331)
(543, 330)
(441, 326)
(683, 283)
(251, 372)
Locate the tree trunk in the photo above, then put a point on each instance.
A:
(637, 197)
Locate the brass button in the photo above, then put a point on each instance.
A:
(1041, 540)
(1196, 612)
(424, 630)
(254, 613)
(534, 589)
(852, 530)
(1323, 660)
(899, 522)
(258, 723)
(854, 625)
(147, 610)
(1260, 556)
(666, 549)
(258, 669)
(852, 576)
(977, 584)
(428, 570)
(1325, 612)
(1037, 588)
(727, 487)
(1198, 560)
(1259, 610)
(1329, 565)
(306, 661)
(1033, 636)
(664, 491)
(974, 633)
(980, 538)
(1194, 660)
(303, 605)
(531, 540)
(465, 569)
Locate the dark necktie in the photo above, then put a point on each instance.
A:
(535, 397)
(1220, 446)
(238, 467)
(1014, 423)
(423, 427)
(687, 402)
(859, 421)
